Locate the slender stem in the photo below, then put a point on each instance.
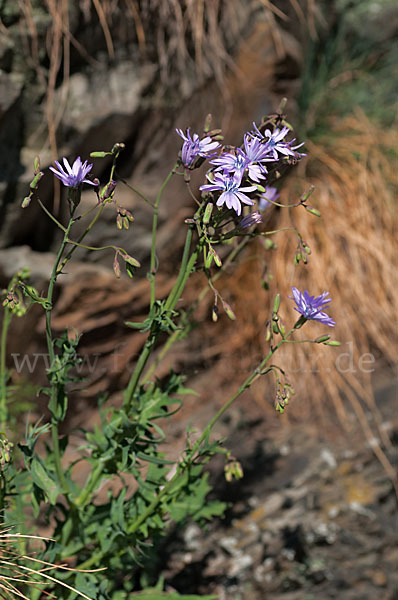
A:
(3, 374)
(171, 300)
(51, 352)
(90, 485)
(133, 189)
(152, 268)
(140, 366)
(83, 235)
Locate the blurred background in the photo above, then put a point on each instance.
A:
(80, 76)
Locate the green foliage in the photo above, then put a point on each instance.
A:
(352, 63)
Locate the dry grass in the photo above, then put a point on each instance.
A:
(16, 575)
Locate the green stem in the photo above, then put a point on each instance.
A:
(90, 485)
(51, 352)
(140, 366)
(3, 373)
(152, 268)
(184, 272)
(83, 235)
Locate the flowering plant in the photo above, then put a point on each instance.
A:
(120, 532)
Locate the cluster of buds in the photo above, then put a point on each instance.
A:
(227, 308)
(13, 298)
(107, 192)
(275, 325)
(283, 393)
(131, 263)
(233, 470)
(34, 184)
(302, 252)
(5, 451)
(124, 218)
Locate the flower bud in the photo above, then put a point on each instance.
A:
(230, 313)
(313, 211)
(332, 343)
(306, 195)
(119, 222)
(130, 260)
(35, 181)
(26, 201)
(217, 259)
(277, 303)
(107, 190)
(36, 164)
(233, 470)
(100, 154)
(207, 123)
(117, 148)
(208, 211)
(322, 338)
(214, 314)
(116, 266)
(209, 258)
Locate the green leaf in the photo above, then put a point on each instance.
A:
(43, 479)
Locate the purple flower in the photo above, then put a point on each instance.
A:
(194, 147)
(253, 219)
(232, 193)
(237, 162)
(75, 175)
(311, 307)
(268, 197)
(273, 142)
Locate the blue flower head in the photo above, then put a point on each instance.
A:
(311, 307)
(194, 147)
(75, 175)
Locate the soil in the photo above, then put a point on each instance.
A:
(312, 519)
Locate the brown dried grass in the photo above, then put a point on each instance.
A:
(16, 575)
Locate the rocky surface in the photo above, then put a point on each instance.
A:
(312, 519)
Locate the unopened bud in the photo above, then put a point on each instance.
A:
(208, 211)
(116, 266)
(275, 327)
(209, 258)
(117, 148)
(269, 244)
(214, 314)
(207, 123)
(119, 222)
(107, 190)
(26, 201)
(100, 154)
(230, 313)
(277, 303)
(36, 164)
(306, 195)
(313, 211)
(332, 343)
(322, 338)
(268, 335)
(130, 260)
(233, 470)
(35, 181)
(217, 259)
